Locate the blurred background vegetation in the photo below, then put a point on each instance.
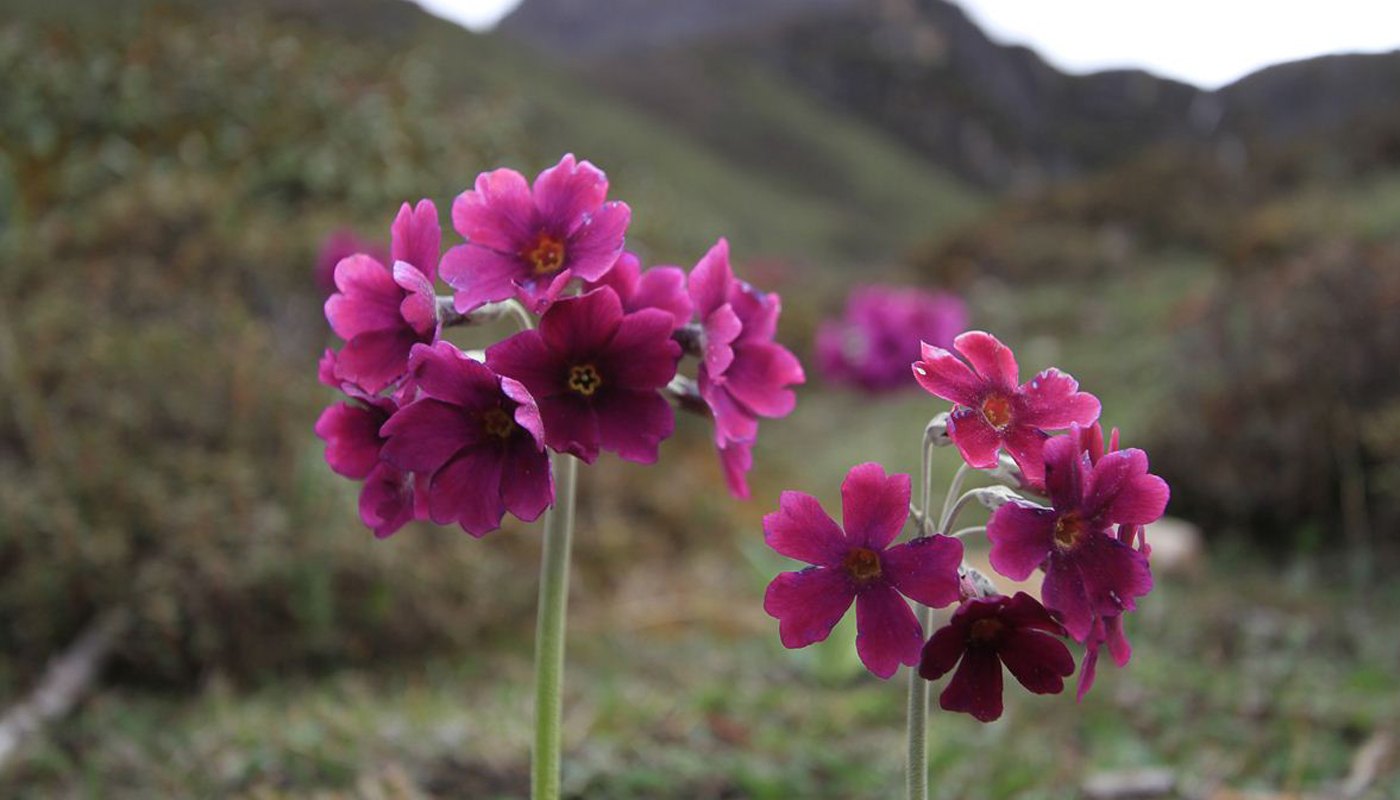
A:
(1230, 287)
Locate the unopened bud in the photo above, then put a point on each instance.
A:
(1008, 473)
(973, 584)
(994, 497)
(936, 433)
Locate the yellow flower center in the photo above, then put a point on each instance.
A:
(547, 255)
(497, 423)
(584, 379)
(863, 564)
(1069, 531)
(997, 410)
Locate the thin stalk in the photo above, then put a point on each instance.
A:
(950, 515)
(549, 631)
(917, 776)
(975, 529)
(953, 489)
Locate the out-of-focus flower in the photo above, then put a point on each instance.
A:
(858, 565)
(528, 241)
(381, 313)
(1090, 574)
(873, 343)
(743, 373)
(658, 287)
(596, 374)
(994, 412)
(985, 633)
(339, 245)
(476, 439)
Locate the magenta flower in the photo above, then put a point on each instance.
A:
(596, 374)
(1090, 573)
(986, 633)
(858, 565)
(354, 449)
(338, 245)
(1107, 630)
(658, 287)
(475, 438)
(528, 241)
(743, 374)
(380, 313)
(873, 343)
(994, 412)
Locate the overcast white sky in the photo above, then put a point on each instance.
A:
(1205, 42)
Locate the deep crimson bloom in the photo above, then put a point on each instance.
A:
(873, 343)
(744, 374)
(658, 287)
(993, 411)
(596, 374)
(354, 449)
(858, 565)
(985, 633)
(381, 313)
(1090, 573)
(528, 241)
(475, 438)
(338, 245)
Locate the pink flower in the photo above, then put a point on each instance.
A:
(339, 245)
(528, 241)
(993, 412)
(354, 449)
(743, 374)
(872, 345)
(1090, 573)
(596, 374)
(986, 633)
(658, 287)
(858, 565)
(380, 313)
(475, 438)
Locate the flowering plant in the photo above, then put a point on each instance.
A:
(464, 437)
(1064, 504)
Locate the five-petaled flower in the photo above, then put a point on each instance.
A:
(528, 241)
(743, 374)
(382, 313)
(985, 633)
(474, 437)
(857, 564)
(994, 412)
(1090, 574)
(596, 374)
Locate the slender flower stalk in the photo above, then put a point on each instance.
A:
(549, 630)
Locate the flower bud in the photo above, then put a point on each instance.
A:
(994, 497)
(936, 432)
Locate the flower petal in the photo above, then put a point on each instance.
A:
(807, 604)
(583, 325)
(802, 529)
(991, 359)
(526, 358)
(567, 193)
(887, 632)
(710, 280)
(976, 687)
(498, 214)
(352, 438)
(633, 423)
(758, 376)
(977, 441)
(663, 288)
(570, 426)
(527, 484)
(925, 569)
(873, 507)
(942, 652)
(736, 459)
(721, 327)
(595, 246)
(468, 491)
(1039, 661)
(642, 354)
(1027, 448)
(425, 434)
(1121, 490)
(416, 237)
(375, 359)
(1052, 400)
(1022, 536)
(481, 275)
(443, 372)
(386, 500)
(1066, 470)
(945, 376)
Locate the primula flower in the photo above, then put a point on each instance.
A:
(994, 412)
(743, 374)
(985, 633)
(873, 343)
(1089, 573)
(528, 241)
(658, 287)
(354, 449)
(857, 564)
(381, 313)
(476, 439)
(596, 374)
(339, 245)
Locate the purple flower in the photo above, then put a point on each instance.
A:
(528, 241)
(596, 374)
(380, 313)
(338, 245)
(858, 565)
(658, 287)
(1107, 630)
(986, 633)
(994, 412)
(743, 374)
(1090, 573)
(354, 449)
(475, 438)
(872, 344)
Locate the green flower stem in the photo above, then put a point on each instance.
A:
(549, 631)
(949, 508)
(917, 775)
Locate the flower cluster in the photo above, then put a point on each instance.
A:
(1088, 540)
(463, 437)
(871, 345)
